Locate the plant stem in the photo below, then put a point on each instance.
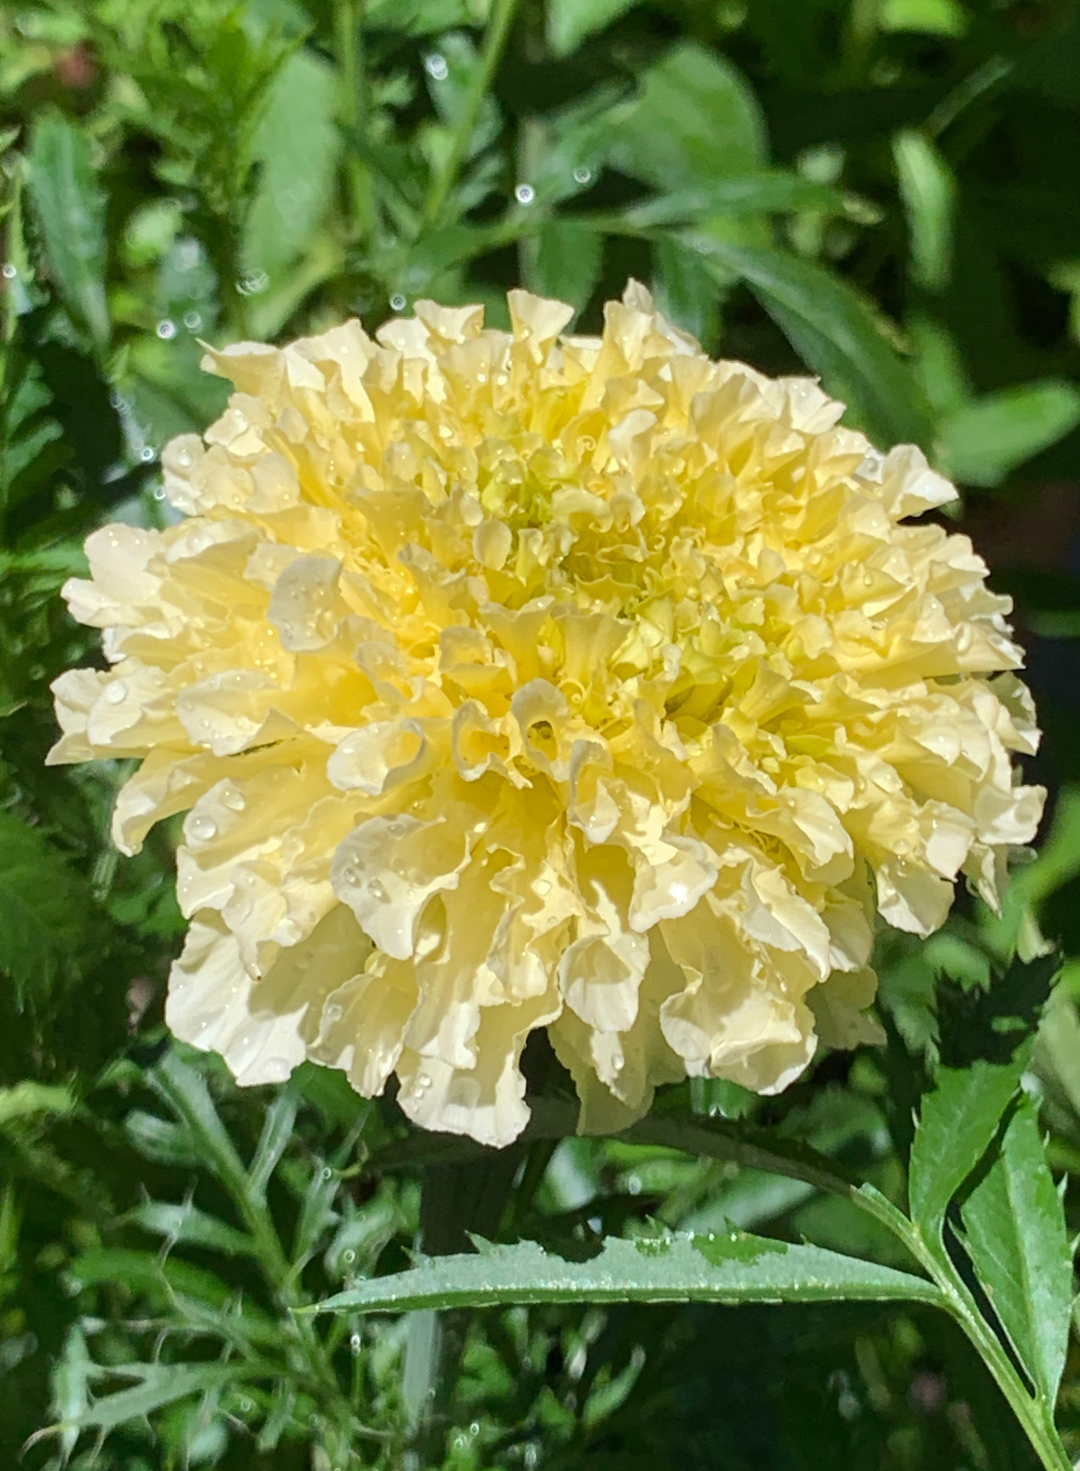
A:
(455, 1199)
(1034, 1414)
(444, 178)
(349, 41)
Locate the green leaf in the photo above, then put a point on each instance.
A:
(928, 190)
(193, 1227)
(30, 1100)
(986, 1042)
(732, 1267)
(47, 916)
(274, 1140)
(1015, 1235)
(957, 1121)
(567, 262)
(570, 21)
(837, 333)
(768, 191)
(983, 441)
(70, 209)
(161, 1384)
(695, 120)
(298, 145)
(686, 290)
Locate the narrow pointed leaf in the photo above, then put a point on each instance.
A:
(70, 209)
(731, 1267)
(1016, 1238)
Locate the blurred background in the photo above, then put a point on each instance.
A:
(884, 193)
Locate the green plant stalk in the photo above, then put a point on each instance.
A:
(349, 44)
(281, 1278)
(1036, 1417)
(495, 38)
(455, 1199)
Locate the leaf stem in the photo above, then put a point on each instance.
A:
(444, 177)
(1034, 1414)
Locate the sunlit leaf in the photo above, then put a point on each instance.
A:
(837, 333)
(731, 1267)
(695, 120)
(982, 441)
(1015, 1234)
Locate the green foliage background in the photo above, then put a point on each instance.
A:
(885, 193)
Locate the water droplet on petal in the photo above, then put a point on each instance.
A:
(116, 692)
(377, 890)
(202, 828)
(233, 800)
(276, 1069)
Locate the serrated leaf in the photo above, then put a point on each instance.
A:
(836, 332)
(47, 916)
(984, 440)
(732, 1267)
(695, 120)
(986, 1040)
(1016, 1237)
(70, 1394)
(567, 262)
(957, 1121)
(70, 208)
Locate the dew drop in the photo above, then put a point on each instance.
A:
(582, 175)
(350, 875)
(436, 67)
(192, 321)
(481, 377)
(524, 194)
(276, 1069)
(398, 302)
(246, 1406)
(159, 492)
(327, 1173)
(422, 1084)
(377, 890)
(355, 1343)
(348, 1256)
(233, 800)
(184, 459)
(9, 271)
(332, 1014)
(146, 454)
(203, 828)
(542, 887)
(116, 692)
(166, 329)
(253, 283)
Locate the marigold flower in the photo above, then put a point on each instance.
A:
(518, 681)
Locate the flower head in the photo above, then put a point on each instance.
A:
(517, 681)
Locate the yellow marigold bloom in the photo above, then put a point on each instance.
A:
(517, 681)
